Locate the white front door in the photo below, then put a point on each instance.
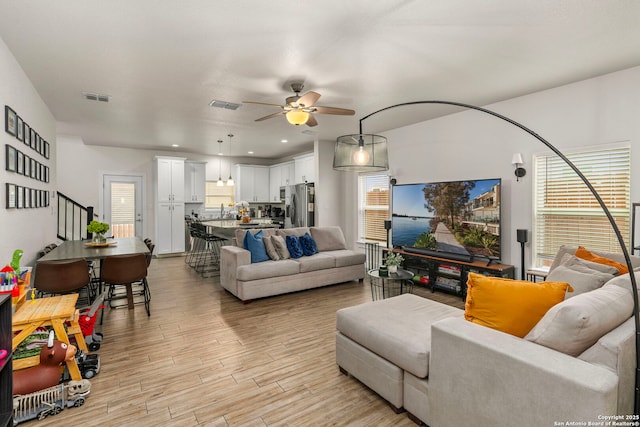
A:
(122, 202)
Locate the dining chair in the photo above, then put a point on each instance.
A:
(63, 277)
(125, 277)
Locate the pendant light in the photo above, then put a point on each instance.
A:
(220, 183)
(230, 180)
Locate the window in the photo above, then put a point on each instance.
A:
(216, 196)
(565, 211)
(373, 207)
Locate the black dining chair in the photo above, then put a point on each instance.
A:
(125, 277)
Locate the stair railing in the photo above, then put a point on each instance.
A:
(73, 219)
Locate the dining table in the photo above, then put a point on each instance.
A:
(74, 249)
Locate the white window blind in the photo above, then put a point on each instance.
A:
(216, 196)
(565, 211)
(373, 206)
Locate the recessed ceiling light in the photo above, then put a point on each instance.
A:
(284, 141)
(175, 145)
(250, 152)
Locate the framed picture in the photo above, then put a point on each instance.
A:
(39, 146)
(20, 125)
(46, 149)
(11, 155)
(32, 137)
(32, 202)
(46, 174)
(46, 198)
(11, 196)
(33, 167)
(19, 197)
(34, 140)
(20, 162)
(27, 134)
(10, 121)
(27, 165)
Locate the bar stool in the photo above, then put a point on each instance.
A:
(125, 277)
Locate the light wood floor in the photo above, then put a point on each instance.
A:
(204, 358)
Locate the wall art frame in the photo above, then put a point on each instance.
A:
(11, 196)
(10, 121)
(10, 158)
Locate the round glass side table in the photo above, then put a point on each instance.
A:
(390, 286)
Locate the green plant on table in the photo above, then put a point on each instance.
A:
(97, 227)
(394, 258)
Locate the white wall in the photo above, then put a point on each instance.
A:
(26, 229)
(473, 145)
(328, 186)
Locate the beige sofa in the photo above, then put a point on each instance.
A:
(333, 263)
(423, 356)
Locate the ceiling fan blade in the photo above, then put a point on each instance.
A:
(308, 99)
(270, 116)
(311, 122)
(334, 110)
(262, 103)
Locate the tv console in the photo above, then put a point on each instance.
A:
(438, 271)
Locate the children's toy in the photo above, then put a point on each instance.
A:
(47, 373)
(49, 401)
(87, 323)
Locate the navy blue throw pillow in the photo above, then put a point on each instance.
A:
(255, 245)
(309, 246)
(294, 246)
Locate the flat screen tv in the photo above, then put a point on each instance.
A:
(456, 219)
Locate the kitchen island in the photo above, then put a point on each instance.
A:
(226, 228)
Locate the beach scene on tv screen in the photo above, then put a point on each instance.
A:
(461, 217)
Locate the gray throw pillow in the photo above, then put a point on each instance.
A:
(581, 278)
(570, 260)
(281, 247)
(271, 249)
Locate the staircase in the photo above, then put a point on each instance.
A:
(73, 219)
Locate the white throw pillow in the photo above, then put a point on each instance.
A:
(577, 323)
(570, 260)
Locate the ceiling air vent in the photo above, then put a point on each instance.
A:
(224, 104)
(96, 97)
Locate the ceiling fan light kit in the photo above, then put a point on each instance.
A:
(297, 117)
(299, 110)
(361, 152)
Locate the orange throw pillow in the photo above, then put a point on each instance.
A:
(511, 306)
(590, 256)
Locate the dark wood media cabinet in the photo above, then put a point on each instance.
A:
(450, 275)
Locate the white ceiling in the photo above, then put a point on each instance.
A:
(163, 61)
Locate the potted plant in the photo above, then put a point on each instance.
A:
(393, 261)
(98, 229)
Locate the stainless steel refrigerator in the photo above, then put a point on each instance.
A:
(299, 205)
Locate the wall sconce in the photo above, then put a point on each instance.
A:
(518, 162)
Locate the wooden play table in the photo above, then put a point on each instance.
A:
(52, 311)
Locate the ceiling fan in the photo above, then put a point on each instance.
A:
(299, 110)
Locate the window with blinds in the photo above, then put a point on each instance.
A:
(216, 196)
(565, 211)
(373, 207)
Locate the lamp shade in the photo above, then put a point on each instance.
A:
(297, 117)
(361, 153)
(517, 159)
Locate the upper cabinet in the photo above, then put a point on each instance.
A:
(194, 181)
(305, 169)
(252, 183)
(280, 175)
(169, 179)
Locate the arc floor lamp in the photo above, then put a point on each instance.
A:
(366, 152)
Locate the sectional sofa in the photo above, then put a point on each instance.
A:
(577, 363)
(333, 263)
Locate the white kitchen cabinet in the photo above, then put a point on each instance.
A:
(252, 183)
(194, 181)
(169, 179)
(305, 169)
(280, 175)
